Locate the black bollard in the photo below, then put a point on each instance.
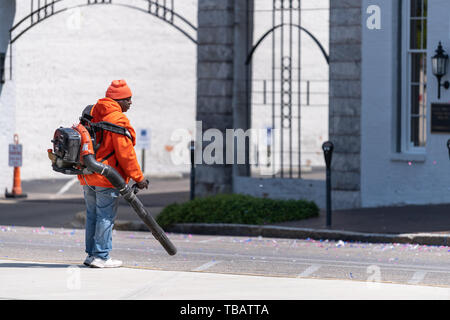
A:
(448, 146)
(192, 149)
(327, 148)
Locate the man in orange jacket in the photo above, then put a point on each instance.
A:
(101, 197)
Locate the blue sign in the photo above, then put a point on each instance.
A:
(143, 139)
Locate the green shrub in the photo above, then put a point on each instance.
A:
(237, 208)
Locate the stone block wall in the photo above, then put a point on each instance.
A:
(221, 53)
(345, 101)
(214, 86)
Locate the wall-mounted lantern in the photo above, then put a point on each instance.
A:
(439, 64)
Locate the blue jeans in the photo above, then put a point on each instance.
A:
(101, 211)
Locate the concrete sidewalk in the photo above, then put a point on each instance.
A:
(34, 280)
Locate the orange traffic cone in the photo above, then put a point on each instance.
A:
(17, 188)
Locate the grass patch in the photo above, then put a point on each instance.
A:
(238, 209)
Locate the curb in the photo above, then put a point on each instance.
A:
(244, 230)
(304, 233)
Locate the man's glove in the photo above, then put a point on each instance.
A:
(143, 184)
(140, 185)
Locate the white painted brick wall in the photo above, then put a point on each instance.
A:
(61, 66)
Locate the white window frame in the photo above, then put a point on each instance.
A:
(406, 145)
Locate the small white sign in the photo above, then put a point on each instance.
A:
(269, 136)
(143, 139)
(15, 155)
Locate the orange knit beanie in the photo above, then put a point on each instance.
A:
(118, 90)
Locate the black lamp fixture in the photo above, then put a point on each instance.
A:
(439, 64)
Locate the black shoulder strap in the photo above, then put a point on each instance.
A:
(108, 126)
(95, 127)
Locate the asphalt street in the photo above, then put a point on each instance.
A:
(55, 203)
(370, 265)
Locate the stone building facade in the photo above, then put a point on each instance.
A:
(383, 108)
(386, 150)
(49, 79)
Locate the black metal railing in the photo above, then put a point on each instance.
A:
(162, 9)
(281, 90)
(41, 10)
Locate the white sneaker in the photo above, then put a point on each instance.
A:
(110, 263)
(87, 262)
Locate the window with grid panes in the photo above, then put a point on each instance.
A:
(415, 122)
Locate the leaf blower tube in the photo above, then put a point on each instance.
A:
(89, 161)
(118, 182)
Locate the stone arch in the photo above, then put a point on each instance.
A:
(160, 11)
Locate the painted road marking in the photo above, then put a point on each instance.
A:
(8, 201)
(310, 270)
(206, 266)
(67, 186)
(211, 240)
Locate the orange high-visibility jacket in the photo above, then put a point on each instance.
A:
(123, 157)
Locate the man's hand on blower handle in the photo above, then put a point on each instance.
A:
(143, 184)
(140, 185)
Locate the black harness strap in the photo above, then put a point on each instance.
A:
(114, 128)
(86, 119)
(98, 128)
(108, 156)
(98, 141)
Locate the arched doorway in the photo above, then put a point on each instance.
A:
(289, 88)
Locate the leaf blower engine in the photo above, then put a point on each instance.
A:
(74, 153)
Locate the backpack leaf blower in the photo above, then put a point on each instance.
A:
(74, 153)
